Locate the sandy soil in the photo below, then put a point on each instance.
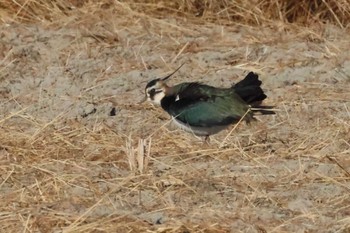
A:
(70, 119)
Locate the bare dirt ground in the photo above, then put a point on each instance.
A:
(71, 123)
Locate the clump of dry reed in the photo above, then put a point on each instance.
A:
(249, 12)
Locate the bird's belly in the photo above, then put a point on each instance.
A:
(199, 131)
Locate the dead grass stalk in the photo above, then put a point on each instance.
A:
(250, 12)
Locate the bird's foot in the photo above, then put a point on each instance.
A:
(206, 140)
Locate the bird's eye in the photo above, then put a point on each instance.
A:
(152, 92)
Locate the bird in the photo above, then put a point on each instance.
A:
(205, 110)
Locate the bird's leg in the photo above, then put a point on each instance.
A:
(206, 140)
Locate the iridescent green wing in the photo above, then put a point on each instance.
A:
(209, 110)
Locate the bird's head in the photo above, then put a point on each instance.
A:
(157, 89)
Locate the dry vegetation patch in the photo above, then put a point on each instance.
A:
(241, 12)
(79, 154)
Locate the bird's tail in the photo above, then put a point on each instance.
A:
(249, 89)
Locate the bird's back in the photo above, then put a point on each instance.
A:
(203, 105)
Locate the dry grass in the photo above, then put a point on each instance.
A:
(250, 12)
(65, 169)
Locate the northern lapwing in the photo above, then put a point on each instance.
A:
(205, 110)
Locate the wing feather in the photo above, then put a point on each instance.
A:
(202, 105)
(216, 110)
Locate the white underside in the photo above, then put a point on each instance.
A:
(199, 131)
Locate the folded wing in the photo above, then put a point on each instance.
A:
(206, 106)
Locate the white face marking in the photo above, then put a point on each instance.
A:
(157, 98)
(177, 98)
(155, 95)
